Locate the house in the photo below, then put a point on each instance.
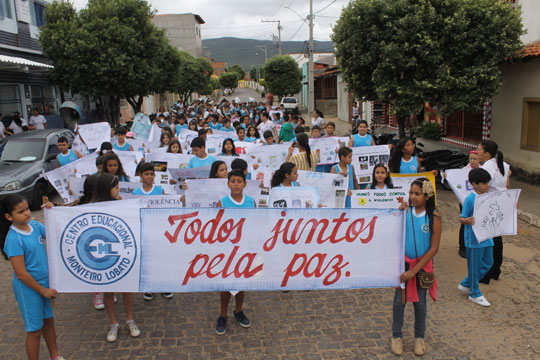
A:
(24, 83)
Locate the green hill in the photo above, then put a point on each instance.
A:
(243, 51)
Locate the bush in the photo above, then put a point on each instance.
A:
(429, 130)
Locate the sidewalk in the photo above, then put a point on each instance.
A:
(529, 200)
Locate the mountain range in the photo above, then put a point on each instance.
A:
(245, 53)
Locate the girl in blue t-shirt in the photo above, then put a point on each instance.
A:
(252, 134)
(228, 148)
(22, 242)
(422, 238)
(286, 176)
(403, 159)
(381, 178)
(112, 165)
(344, 167)
(235, 199)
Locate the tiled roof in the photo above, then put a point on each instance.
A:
(531, 50)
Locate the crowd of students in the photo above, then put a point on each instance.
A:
(18, 124)
(22, 239)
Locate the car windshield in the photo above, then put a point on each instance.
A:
(289, 100)
(23, 150)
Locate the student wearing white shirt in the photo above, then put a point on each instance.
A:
(488, 152)
(266, 124)
(317, 119)
(17, 124)
(37, 121)
(3, 132)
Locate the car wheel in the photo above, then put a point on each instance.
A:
(40, 190)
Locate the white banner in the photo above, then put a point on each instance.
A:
(365, 158)
(271, 156)
(78, 145)
(495, 214)
(158, 201)
(333, 188)
(458, 179)
(378, 198)
(207, 192)
(95, 134)
(141, 126)
(175, 161)
(298, 197)
(327, 148)
(98, 247)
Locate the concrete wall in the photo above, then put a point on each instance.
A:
(342, 99)
(520, 80)
(182, 30)
(328, 107)
(530, 10)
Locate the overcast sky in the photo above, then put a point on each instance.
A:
(242, 18)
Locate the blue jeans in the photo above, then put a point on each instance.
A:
(420, 314)
(479, 261)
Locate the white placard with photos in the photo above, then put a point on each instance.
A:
(365, 158)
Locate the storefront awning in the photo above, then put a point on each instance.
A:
(14, 60)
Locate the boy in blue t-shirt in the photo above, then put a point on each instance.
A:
(121, 144)
(66, 155)
(479, 254)
(198, 148)
(147, 174)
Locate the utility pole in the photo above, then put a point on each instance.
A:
(265, 49)
(279, 27)
(311, 75)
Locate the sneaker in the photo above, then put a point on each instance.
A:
(221, 326)
(148, 296)
(59, 357)
(419, 347)
(463, 289)
(113, 333)
(98, 301)
(242, 319)
(133, 328)
(397, 346)
(167, 295)
(481, 300)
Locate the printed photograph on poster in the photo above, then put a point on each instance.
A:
(365, 158)
(332, 187)
(304, 197)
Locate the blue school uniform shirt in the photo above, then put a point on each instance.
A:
(68, 158)
(359, 140)
(30, 244)
(156, 190)
(124, 147)
(369, 187)
(421, 231)
(180, 127)
(225, 129)
(409, 167)
(229, 202)
(250, 139)
(294, 183)
(198, 162)
(215, 126)
(470, 239)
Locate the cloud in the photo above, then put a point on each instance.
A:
(242, 18)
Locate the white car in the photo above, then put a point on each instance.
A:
(290, 104)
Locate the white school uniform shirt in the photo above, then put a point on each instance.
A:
(16, 129)
(264, 126)
(2, 129)
(498, 181)
(38, 121)
(317, 122)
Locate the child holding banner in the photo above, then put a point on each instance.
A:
(121, 143)
(228, 148)
(218, 170)
(235, 199)
(198, 148)
(403, 160)
(305, 159)
(423, 235)
(345, 168)
(112, 165)
(174, 147)
(479, 254)
(66, 155)
(285, 176)
(252, 134)
(108, 189)
(362, 138)
(22, 243)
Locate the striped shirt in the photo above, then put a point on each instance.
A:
(300, 160)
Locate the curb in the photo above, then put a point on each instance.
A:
(529, 218)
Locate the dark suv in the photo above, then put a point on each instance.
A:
(24, 158)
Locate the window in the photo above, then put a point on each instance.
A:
(530, 128)
(10, 101)
(38, 14)
(44, 98)
(5, 9)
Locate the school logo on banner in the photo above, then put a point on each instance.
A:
(98, 248)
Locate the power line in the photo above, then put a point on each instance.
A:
(324, 7)
(302, 24)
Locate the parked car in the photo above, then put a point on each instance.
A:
(290, 104)
(24, 158)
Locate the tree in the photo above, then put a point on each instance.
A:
(253, 73)
(229, 80)
(238, 70)
(406, 52)
(194, 75)
(110, 49)
(282, 76)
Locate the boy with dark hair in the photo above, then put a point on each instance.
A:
(66, 155)
(198, 148)
(316, 132)
(479, 254)
(268, 137)
(121, 144)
